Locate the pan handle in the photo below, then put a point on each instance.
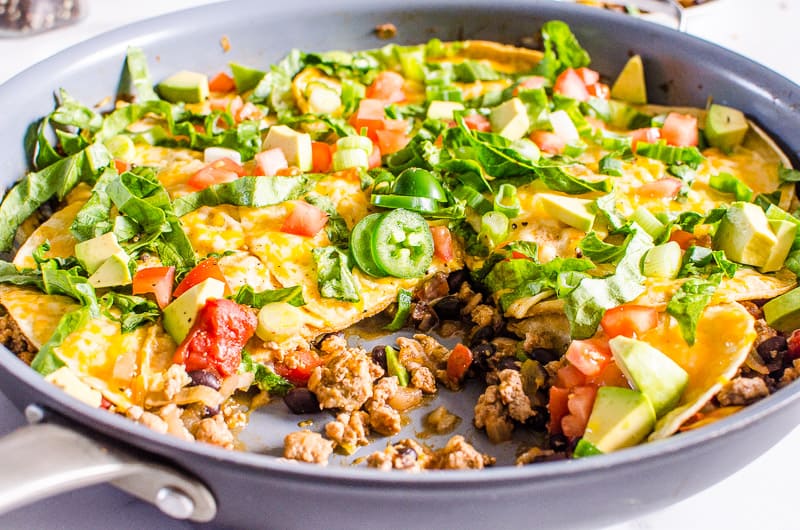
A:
(45, 459)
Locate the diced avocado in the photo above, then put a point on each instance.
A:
(246, 78)
(113, 271)
(630, 85)
(652, 372)
(662, 261)
(785, 232)
(783, 312)
(725, 127)
(578, 213)
(620, 417)
(510, 119)
(443, 110)
(93, 252)
(744, 234)
(280, 321)
(179, 316)
(584, 448)
(295, 145)
(186, 86)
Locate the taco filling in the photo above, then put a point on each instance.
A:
(606, 272)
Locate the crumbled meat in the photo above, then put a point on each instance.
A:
(470, 299)
(423, 316)
(345, 380)
(514, 397)
(490, 414)
(406, 455)
(505, 346)
(441, 420)
(385, 31)
(753, 309)
(151, 421)
(532, 455)
(432, 348)
(172, 415)
(790, 374)
(484, 315)
(548, 331)
(334, 343)
(382, 417)
(763, 331)
(458, 454)
(434, 287)
(12, 338)
(423, 379)
(307, 446)
(350, 430)
(742, 391)
(215, 431)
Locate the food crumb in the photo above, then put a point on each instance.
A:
(385, 31)
(225, 43)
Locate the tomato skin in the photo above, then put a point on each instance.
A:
(628, 320)
(683, 238)
(304, 220)
(208, 268)
(530, 83)
(647, 134)
(589, 356)
(557, 407)
(217, 338)
(549, 142)
(667, 187)
(320, 157)
(155, 280)
(477, 122)
(391, 141)
(303, 363)
(610, 376)
(580, 403)
(370, 114)
(680, 130)
(216, 172)
(388, 87)
(442, 243)
(570, 83)
(222, 82)
(569, 377)
(458, 362)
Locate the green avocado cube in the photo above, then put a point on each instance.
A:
(745, 235)
(94, 252)
(578, 213)
(621, 417)
(179, 316)
(186, 86)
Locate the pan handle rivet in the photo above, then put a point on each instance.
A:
(174, 503)
(34, 413)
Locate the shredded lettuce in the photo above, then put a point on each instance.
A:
(727, 183)
(334, 277)
(561, 50)
(265, 379)
(246, 295)
(253, 192)
(688, 303)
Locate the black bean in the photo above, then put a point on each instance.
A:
(456, 278)
(484, 333)
(448, 308)
(538, 421)
(378, 355)
(508, 363)
(423, 316)
(558, 442)
(209, 412)
(544, 355)
(482, 352)
(773, 344)
(204, 378)
(301, 401)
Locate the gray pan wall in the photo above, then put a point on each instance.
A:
(256, 491)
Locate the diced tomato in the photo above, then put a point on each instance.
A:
(569, 83)
(683, 238)
(557, 407)
(298, 367)
(218, 103)
(588, 75)
(370, 114)
(375, 156)
(222, 82)
(569, 377)
(610, 376)
(680, 129)
(320, 157)
(121, 166)
(291, 171)
(216, 172)
(304, 220)
(235, 105)
(629, 320)
(397, 125)
(388, 87)
(647, 134)
(477, 122)
(599, 90)
(459, 362)
(549, 142)
(580, 403)
(248, 112)
(208, 268)
(667, 187)
(391, 141)
(271, 161)
(442, 243)
(155, 280)
(589, 356)
(217, 338)
(530, 83)
(793, 344)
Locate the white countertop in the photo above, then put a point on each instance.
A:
(761, 494)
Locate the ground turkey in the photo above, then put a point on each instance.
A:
(307, 446)
(742, 391)
(491, 414)
(382, 417)
(406, 455)
(12, 338)
(345, 380)
(349, 430)
(458, 454)
(215, 431)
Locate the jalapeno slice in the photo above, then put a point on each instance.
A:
(416, 204)
(417, 182)
(361, 245)
(402, 244)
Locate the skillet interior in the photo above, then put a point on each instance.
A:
(612, 487)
